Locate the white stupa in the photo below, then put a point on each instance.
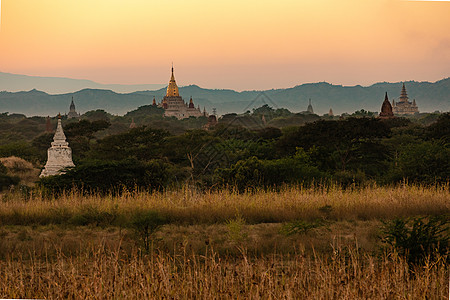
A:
(59, 154)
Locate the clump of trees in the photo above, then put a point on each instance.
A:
(242, 151)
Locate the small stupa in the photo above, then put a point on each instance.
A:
(59, 154)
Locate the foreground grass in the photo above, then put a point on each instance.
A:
(218, 245)
(190, 207)
(100, 274)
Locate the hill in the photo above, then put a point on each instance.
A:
(56, 85)
(429, 97)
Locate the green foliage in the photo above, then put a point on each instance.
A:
(110, 176)
(235, 229)
(346, 145)
(95, 115)
(440, 130)
(140, 143)
(427, 162)
(145, 224)
(19, 149)
(254, 173)
(90, 215)
(7, 181)
(85, 128)
(300, 227)
(142, 113)
(418, 238)
(41, 143)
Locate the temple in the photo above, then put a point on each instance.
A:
(310, 108)
(403, 106)
(59, 154)
(174, 105)
(386, 109)
(72, 113)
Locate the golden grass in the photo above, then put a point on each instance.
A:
(190, 207)
(103, 274)
(219, 245)
(21, 168)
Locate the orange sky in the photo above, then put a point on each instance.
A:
(227, 44)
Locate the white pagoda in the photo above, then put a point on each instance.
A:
(59, 154)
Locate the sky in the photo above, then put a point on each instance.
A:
(241, 45)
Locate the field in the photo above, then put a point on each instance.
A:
(315, 243)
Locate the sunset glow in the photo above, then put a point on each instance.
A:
(227, 44)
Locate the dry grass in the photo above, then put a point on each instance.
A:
(190, 207)
(103, 274)
(217, 245)
(21, 168)
(257, 240)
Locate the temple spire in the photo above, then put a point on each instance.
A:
(172, 88)
(403, 94)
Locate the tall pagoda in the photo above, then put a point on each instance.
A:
(403, 106)
(174, 105)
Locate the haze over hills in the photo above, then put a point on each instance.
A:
(57, 85)
(429, 97)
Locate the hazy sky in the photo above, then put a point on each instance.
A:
(227, 44)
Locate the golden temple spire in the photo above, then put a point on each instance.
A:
(172, 88)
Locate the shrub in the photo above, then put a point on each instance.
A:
(145, 223)
(300, 227)
(110, 177)
(418, 238)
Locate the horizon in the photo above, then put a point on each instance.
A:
(267, 45)
(164, 85)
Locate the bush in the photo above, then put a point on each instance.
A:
(255, 173)
(145, 224)
(110, 177)
(300, 227)
(418, 239)
(7, 181)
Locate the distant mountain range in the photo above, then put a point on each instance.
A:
(58, 85)
(429, 97)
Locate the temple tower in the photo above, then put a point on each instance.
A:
(59, 154)
(386, 109)
(72, 112)
(310, 108)
(174, 105)
(403, 106)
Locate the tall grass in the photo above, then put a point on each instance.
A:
(188, 206)
(99, 274)
(216, 246)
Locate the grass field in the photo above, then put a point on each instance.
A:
(217, 245)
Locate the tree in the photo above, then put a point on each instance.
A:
(351, 143)
(111, 176)
(140, 143)
(440, 130)
(427, 162)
